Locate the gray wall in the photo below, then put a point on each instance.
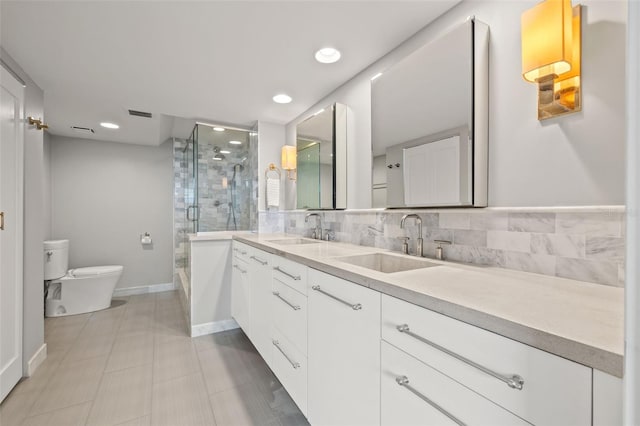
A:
(33, 316)
(104, 195)
(569, 161)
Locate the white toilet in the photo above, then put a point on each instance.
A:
(79, 290)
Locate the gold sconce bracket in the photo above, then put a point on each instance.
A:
(38, 123)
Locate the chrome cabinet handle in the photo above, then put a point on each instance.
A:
(294, 307)
(404, 382)
(295, 277)
(294, 364)
(244, 271)
(354, 306)
(514, 381)
(257, 259)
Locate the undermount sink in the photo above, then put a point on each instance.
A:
(386, 263)
(293, 241)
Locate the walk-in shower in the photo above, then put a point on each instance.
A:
(214, 182)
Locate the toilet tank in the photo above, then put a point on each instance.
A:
(56, 259)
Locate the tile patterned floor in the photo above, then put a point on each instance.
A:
(134, 365)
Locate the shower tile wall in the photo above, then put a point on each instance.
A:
(585, 244)
(179, 206)
(215, 181)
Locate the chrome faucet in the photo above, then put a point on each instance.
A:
(419, 222)
(317, 233)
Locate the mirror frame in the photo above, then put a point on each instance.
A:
(339, 162)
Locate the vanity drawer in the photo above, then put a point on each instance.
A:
(241, 251)
(402, 375)
(289, 314)
(258, 258)
(291, 273)
(555, 391)
(290, 367)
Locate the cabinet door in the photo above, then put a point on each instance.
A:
(343, 352)
(260, 284)
(240, 295)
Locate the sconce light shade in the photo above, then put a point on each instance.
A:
(288, 161)
(546, 39)
(551, 55)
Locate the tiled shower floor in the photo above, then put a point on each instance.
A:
(134, 364)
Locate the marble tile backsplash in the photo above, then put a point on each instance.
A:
(586, 244)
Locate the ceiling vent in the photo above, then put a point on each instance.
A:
(85, 130)
(140, 113)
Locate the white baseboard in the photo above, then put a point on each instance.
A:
(213, 327)
(37, 359)
(143, 289)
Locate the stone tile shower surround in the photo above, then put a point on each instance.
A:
(585, 244)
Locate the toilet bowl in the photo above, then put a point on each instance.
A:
(78, 290)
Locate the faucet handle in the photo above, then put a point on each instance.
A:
(439, 251)
(405, 244)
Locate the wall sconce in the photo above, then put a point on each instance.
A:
(551, 54)
(288, 163)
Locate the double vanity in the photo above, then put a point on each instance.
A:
(363, 336)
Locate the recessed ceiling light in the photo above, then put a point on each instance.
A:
(219, 129)
(282, 98)
(110, 125)
(328, 55)
(224, 151)
(376, 76)
(235, 142)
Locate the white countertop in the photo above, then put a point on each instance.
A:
(580, 321)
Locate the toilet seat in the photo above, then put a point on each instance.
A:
(92, 271)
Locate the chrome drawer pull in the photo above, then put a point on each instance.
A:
(355, 307)
(294, 307)
(515, 381)
(404, 382)
(257, 259)
(244, 271)
(295, 277)
(294, 364)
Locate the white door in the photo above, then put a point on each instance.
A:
(11, 181)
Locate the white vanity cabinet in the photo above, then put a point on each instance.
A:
(537, 386)
(344, 352)
(240, 289)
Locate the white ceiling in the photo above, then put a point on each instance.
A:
(217, 61)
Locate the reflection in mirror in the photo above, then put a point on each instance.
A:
(321, 157)
(430, 121)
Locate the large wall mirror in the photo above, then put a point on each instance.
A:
(321, 142)
(430, 124)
